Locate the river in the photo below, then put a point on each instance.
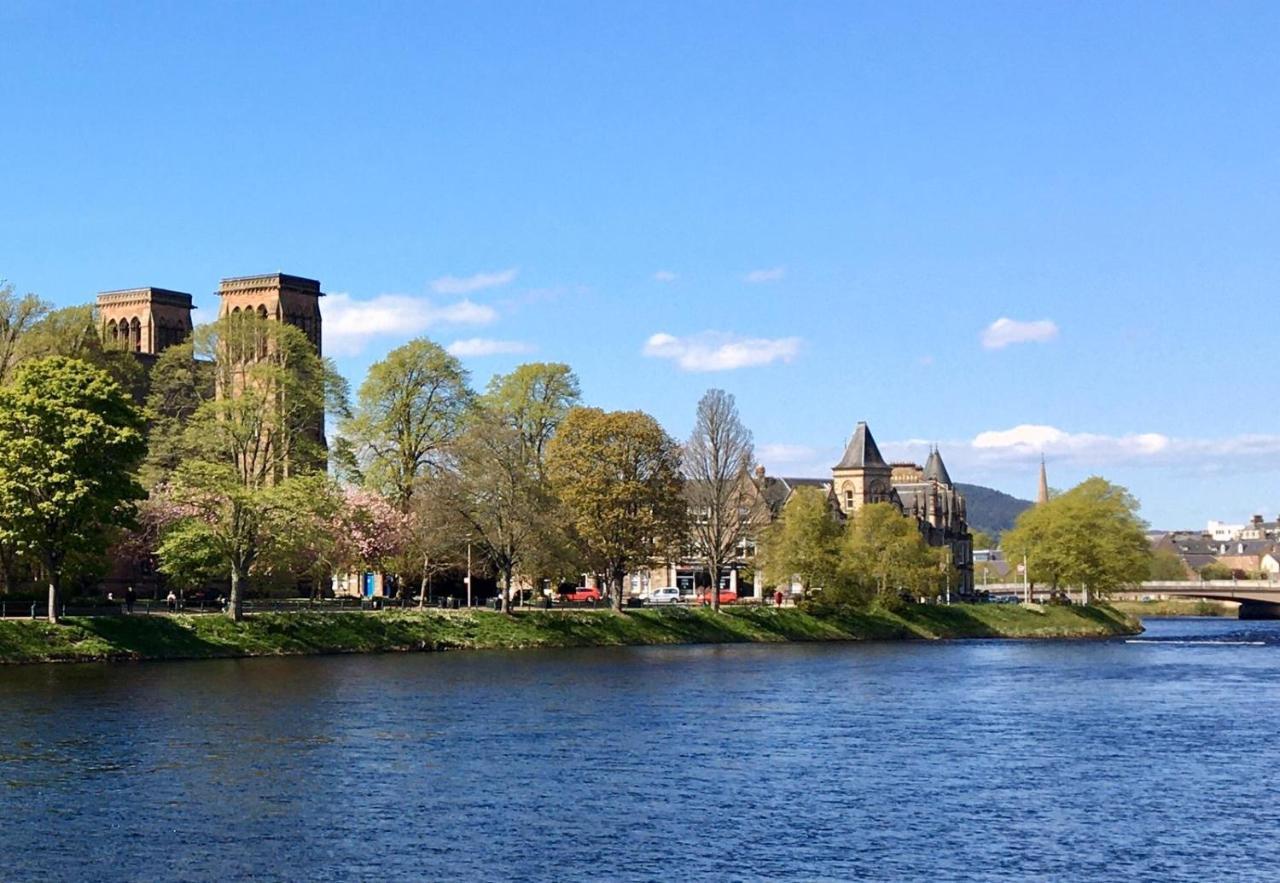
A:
(1141, 759)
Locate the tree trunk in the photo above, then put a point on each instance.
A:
(506, 591)
(617, 592)
(235, 607)
(55, 591)
(714, 568)
(425, 583)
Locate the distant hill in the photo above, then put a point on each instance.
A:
(990, 510)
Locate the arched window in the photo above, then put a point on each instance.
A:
(113, 333)
(262, 311)
(136, 327)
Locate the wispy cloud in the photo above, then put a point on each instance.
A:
(350, 323)
(484, 346)
(471, 284)
(1022, 445)
(719, 351)
(1004, 331)
(665, 276)
(772, 274)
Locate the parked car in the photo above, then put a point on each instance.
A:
(582, 593)
(664, 595)
(727, 596)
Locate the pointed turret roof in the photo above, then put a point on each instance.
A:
(862, 450)
(937, 470)
(1043, 495)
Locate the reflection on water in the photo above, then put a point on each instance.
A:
(1128, 759)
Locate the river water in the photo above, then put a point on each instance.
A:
(1147, 759)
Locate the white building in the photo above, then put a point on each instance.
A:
(1223, 532)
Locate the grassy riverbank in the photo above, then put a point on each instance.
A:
(1178, 607)
(275, 634)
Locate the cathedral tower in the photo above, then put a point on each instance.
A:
(145, 320)
(290, 299)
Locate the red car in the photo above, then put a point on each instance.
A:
(727, 596)
(582, 593)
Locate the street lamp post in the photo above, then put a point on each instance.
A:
(468, 573)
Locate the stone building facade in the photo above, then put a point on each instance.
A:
(924, 493)
(145, 320)
(293, 300)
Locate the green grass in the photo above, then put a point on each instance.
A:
(1177, 607)
(275, 634)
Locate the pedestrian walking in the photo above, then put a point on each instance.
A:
(777, 597)
(172, 601)
(130, 597)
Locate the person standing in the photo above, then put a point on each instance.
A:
(130, 597)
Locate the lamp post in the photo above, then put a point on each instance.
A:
(468, 573)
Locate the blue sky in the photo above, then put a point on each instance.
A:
(822, 208)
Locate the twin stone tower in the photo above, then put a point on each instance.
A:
(149, 320)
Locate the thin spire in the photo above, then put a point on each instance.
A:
(1043, 496)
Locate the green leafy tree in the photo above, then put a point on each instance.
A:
(1089, 537)
(17, 315)
(260, 431)
(179, 385)
(500, 498)
(804, 543)
(70, 442)
(1167, 566)
(618, 475)
(1216, 570)
(982, 540)
(533, 401)
(73, 332)
(885, 555)
(408, 411)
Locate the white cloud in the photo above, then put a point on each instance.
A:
(781, 453)
(665, 276)
(772, 274)
(1004, 331)
(349, 323)
(483, 346)
(718, 351)
(997, 450)
(471, 284)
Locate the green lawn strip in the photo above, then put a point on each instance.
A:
(310, 632)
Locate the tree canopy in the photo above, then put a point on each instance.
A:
(408, 411)
(70, 442)
(1089, 537)
(617, 474)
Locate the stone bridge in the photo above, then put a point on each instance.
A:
(1258, 599)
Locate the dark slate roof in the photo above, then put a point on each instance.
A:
(862, 450)
(936, 469)
(777, 491)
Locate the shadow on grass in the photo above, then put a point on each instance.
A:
(150, 637)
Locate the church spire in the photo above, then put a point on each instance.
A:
(1043, 496)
